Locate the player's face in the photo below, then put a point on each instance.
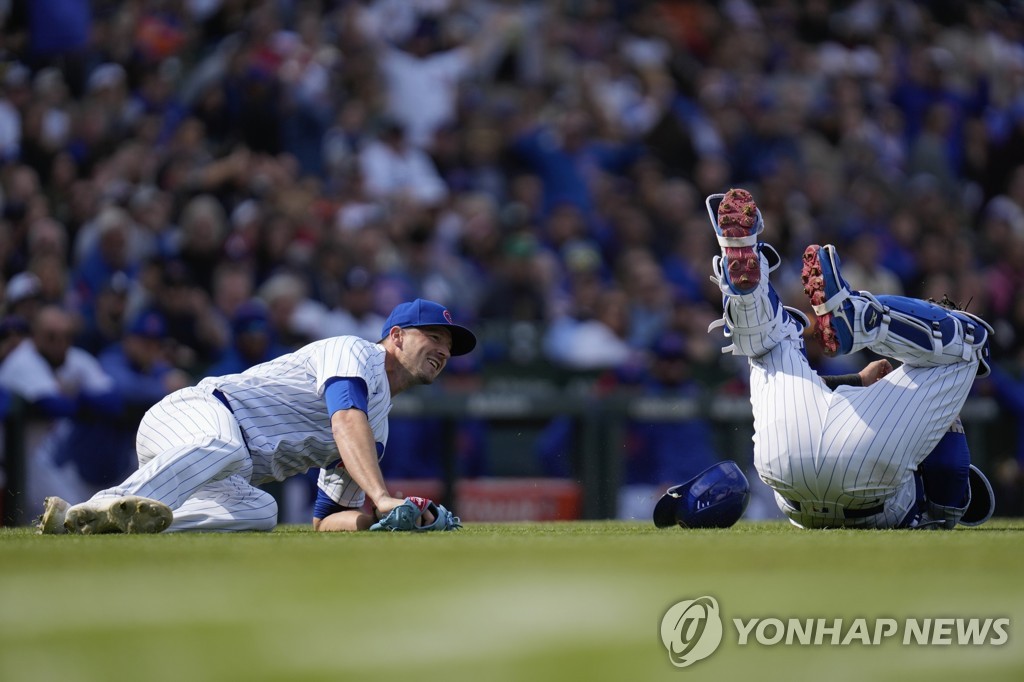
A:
(52, 337)
(426, 351)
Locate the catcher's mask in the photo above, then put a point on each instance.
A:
(714, 498)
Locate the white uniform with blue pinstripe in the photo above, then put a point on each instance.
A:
(203, 460)
(835, 453)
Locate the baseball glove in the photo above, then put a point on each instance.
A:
(406, 517)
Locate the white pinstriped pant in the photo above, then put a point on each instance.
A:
(851, 448)
(193, 458)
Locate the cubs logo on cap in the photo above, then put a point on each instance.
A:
(424, 313)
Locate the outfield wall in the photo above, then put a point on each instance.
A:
(514, 491)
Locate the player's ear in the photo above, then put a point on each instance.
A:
(396, 334)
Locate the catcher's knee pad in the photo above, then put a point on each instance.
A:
(924, 334)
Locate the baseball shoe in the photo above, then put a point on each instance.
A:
(129, 514)
(52, 520)
(829, 295)
(737, 223)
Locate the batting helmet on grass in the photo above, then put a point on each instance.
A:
(714, 498)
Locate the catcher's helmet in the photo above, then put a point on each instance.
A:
(714, 498)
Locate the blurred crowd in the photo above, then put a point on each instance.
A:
(191, 187)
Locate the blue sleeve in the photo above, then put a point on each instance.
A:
(101, 404)
(56, 406)
(325, 506)
(134, 386)
(343, 393)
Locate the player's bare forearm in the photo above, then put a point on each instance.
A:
(347, 520)
(867, 376)
(358, 451)
(874, 371)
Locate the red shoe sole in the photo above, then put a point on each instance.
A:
(814, 288)
(737, 215)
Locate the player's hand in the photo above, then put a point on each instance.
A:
(386, 504)
(875, 371)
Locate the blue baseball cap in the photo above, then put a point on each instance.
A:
(423, 313)
(251, 316)
(148, 324)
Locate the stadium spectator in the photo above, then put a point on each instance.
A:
(65, 388)
(655, 457)
(141, 376)
(569, 159)
(252, 341)
(23, 296)
(105, 253)
(593, 340)
(394, 171)
(233, 137)
(13, 330)
(517, 290)
(357, 313)
(421, 74)
(106, 325)
(197, 332)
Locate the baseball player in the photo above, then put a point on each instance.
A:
(203, 449)
(887, 455)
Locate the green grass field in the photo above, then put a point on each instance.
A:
(563, 601)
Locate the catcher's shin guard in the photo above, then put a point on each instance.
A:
(945, 478)
(758, 322)
(980, 505)
(916, 332)
(923, 334)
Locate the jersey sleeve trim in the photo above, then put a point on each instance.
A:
(343, 393)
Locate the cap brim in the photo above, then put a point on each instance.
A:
(463, 340)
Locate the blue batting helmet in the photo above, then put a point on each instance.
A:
(714, 498)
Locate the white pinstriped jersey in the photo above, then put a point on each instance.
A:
(281, 410)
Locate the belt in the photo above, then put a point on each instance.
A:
(219, 395)
(861, 513)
